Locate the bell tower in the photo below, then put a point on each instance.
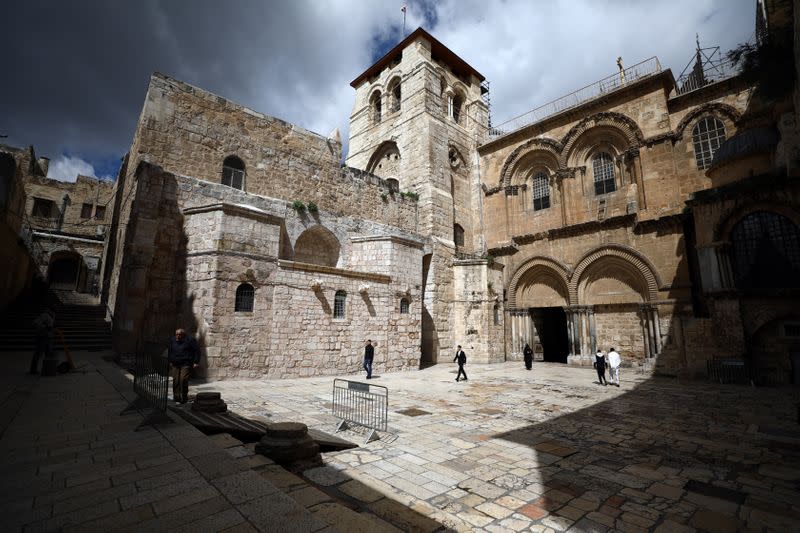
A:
(418, 119)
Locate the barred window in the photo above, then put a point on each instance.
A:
(338, 304)
(455, 107)
(394, 95)
(100, 212)
(233, 172)
(766, 252)
(541, 191)
(404, 306)
(708, 135)
(603, 170)
(244, 297)
(86, 211)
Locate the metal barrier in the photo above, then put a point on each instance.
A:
(731, 371)
(362, 404)
(151, 384)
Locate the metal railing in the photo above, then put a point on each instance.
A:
(731, 371)
(151, 384)
(711, 72)
(606, 85)
(362, 404)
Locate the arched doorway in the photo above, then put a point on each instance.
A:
(64, 270)
(541, 295)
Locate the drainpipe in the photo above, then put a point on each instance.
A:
(64, 203)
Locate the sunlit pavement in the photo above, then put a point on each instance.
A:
(551, 449)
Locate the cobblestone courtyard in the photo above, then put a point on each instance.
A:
(551, 449)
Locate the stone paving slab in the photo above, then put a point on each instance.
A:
(550, 450)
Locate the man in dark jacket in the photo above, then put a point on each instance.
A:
(461, 357)
(183, 355)
(369, 355)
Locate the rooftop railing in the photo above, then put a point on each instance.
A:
(646, 68)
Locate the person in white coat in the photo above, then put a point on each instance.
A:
(613, 364)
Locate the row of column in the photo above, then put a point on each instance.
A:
(522, 330)
(651, 329)
(581, 330)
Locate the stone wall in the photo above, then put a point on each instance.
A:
(86, 196)
(218, 238)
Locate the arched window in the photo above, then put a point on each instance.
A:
(458, 235)
(496, 314)
(404, 306)
(541, 191)
(603, 171)
(244, 297)
(375, 107)
(338, 304)
(708, 134)
(233, 172)
(394, 95)
(456, 103)
(766, 252)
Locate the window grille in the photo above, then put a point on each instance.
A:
(403, 306)
(244, 297)
(233, 172)
(339, 303)
(541, 191)
(458, 235)
(603, 170)
(708, 135)
(86, 211)
(100, 212)
(766, 251)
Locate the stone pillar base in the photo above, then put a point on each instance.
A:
(579, 360)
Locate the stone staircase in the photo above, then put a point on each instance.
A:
(79, 317)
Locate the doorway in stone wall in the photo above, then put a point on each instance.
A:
(551, 330)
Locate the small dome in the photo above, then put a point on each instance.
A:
(745, 143)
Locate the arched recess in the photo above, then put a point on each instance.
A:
(630, 261)
(722, 230)
(317, 245)
(627, 127)
(539, 148)
(64, 270)
(549, 273)
(611, 280)
(385, 161)
(714, 109)
(601, 138)
(532, 162)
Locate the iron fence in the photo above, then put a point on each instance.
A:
(151, 385)
(362, 404)
(731, 371)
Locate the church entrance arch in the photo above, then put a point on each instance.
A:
(540, 295)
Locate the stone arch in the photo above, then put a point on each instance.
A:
(610, 119)
(649, 276)
(611, 280)
(385, 161)
(456, 158)
(317, 245)
(552, 273)
(541, 145)
(64, 268)
(713, 109)
(394, 92)
(599, 138)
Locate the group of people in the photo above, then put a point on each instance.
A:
(610, 360)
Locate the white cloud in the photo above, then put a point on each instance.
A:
(65, 168)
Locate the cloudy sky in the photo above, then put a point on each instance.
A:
(76, 72)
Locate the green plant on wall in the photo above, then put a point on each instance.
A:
(489, 261)
(312, 207)
(411, 195)
(297, 205)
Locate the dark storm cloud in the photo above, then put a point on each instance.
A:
(75, 73)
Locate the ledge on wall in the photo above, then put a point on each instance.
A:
(309, 267)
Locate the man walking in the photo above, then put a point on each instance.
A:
(600, 366)
(461, 357)
(527, 354)
(183, 356)
(369, 355)
(613, 363)
(43, 325)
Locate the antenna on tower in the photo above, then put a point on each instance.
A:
(403, 9)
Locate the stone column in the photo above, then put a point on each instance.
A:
(514, 352)
(645, 331)
(568, 312)
(592, 331)
(657, 326)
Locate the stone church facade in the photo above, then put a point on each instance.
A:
(583, 229)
